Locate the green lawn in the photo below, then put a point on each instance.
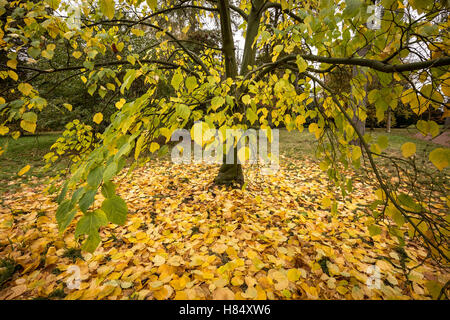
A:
(21, 152)
(299, 145)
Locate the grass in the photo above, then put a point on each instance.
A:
(7, 268)
(398, 137)
(298, 145)
(27, 150)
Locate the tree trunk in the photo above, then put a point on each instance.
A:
(388, 121)
(447, 123)
(230, 173)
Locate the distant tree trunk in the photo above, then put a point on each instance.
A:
(388, 121)
(359, 124)
(447, 123)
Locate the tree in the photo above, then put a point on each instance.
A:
(304, 41)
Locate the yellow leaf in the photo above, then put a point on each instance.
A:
(12, 64)
(120, 103)
(223, 294)
(293, 274)
(25, 88)
(98, 117)
(342, 290)
(24, 170)
(408, 149)
(77, 54)
(3, 130)
(237, 281)
(154, 146)
(244, 154)
(185, 29)
(440, 157)
(181, 295)
(13, 75)
(28, 126)
(159, 260)
(445, 85)
(68, 106)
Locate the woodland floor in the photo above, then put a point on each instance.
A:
(186, 239)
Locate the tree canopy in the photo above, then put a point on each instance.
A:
(184, 55)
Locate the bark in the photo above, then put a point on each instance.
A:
(447, 123)
(231, 173)
(254, 17)
(388, 121)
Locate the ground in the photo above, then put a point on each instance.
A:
(187, 239)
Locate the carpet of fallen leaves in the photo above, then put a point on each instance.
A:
(187, 239)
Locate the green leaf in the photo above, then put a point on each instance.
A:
(77, 195)
(87, 200)
(91, 243)
(191, 83)
(110, 171)
(90, 223)
(95, 177)
(351, 8)
(374, 230)
(29, 116)
(217, 102)
(183, 111)
(409, 202)
(107, 8)
(176, 80)
(115, 209)
(152, 4)
(63, 193)
(65, 214)
(128, 79)
(108, 189)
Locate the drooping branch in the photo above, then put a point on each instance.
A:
(378, 176)
(164, 64)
